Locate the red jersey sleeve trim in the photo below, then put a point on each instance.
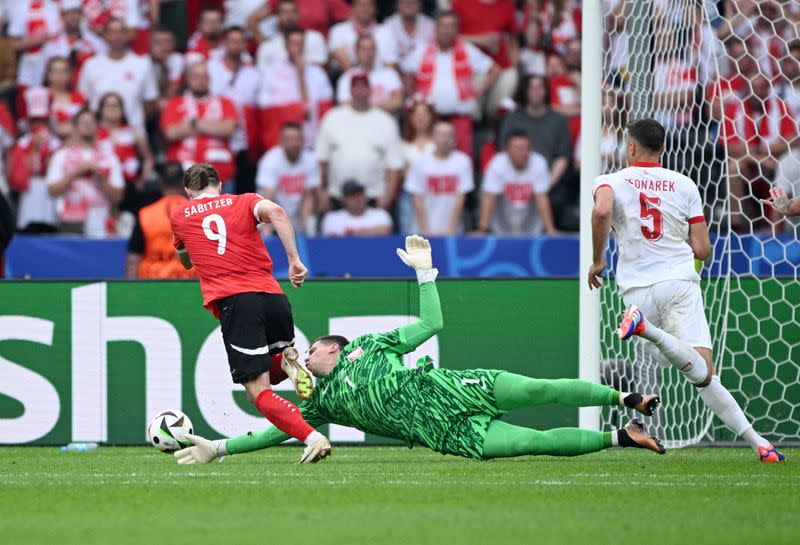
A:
(596, 189)
(697, 219)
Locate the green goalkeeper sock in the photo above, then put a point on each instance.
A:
(504, 440)
(514, 391)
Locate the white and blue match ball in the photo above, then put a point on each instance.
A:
(167, 430)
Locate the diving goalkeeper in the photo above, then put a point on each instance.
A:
(363, 384)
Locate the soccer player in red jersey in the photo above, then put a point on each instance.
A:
(218, 235)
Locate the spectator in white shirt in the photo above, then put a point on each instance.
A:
(87, 179)
(208, 36)
(409, 28)
(444, 71)
(31, 24)
(289, 175)
(438, 183)
(168, 64)
(231, 78)
(386, 87)
(121, 71)
(343, 36)
(361, 142)
(274, 49)
(293, 90)
(356, 218)
(515, 186)
(74, 43)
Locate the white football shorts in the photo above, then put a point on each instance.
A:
(676, 306)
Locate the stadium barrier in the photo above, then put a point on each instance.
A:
(48, 257)
(93, 361)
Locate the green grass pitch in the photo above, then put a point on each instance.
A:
(392, 495)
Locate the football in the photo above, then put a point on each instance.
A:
(167, 430)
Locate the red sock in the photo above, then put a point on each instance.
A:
(276, 374)
(283, 414)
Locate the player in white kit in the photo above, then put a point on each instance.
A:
(657, 218)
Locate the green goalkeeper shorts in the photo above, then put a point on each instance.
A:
(454, 411)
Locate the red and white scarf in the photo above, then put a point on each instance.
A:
(461, 68)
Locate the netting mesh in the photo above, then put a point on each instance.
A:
(724, 80)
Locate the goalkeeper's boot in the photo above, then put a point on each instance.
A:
(316, 451)
(299, 375)
(641, 439)
(643, 403)
(632, 323)
(770, 455)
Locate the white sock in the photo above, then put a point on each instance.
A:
(313, 437)
(615, 438)
(722, 403)
(683, 357)
(751, 436)
(622, 396)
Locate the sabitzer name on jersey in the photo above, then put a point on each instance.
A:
(202, 207)
(652, 185)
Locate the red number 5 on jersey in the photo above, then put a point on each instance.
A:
(646, 211)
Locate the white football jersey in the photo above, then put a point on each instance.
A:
(653, 207)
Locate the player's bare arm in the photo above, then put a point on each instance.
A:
(270, 212)
(780, 201)
(699, 240)
(601, 228)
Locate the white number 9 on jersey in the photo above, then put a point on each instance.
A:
(221, 236)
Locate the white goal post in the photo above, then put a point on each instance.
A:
(724, 85)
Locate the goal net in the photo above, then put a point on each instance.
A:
(724, 79)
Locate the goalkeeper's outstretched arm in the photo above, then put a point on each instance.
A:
(418, 256)
(204, 451)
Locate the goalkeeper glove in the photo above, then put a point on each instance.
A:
(203, 451)
(417, 255)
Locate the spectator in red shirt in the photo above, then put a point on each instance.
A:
(491, 25)
(198, 126)
(36, 209)
(757, 131)
(208, 35)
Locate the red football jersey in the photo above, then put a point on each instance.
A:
(220, 233)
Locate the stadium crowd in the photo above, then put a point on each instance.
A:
(372, 117)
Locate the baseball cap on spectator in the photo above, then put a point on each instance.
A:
(67, 5)
(352, 187)
(359, 76)
(37, 102)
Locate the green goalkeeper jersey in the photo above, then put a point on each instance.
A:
(369, 388)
